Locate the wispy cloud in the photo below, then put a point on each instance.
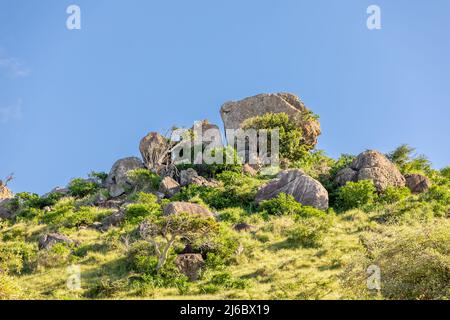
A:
(11, 112)
(13, 67)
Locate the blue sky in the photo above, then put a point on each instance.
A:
(76, 101)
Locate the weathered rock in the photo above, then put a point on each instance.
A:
(190, 264)
(249, 170)
(236, 112)
(371, 165)
(187, 207)
(154, 149)
(302, 187)
(47, 241)
(118, 179)
(190, 176)
(169, 187)
(5, 208)
(417, 183)
(112, 220)
(208, 132)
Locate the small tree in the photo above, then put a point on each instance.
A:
(163, 231)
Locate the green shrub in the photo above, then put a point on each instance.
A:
(84, 216)
(414, 263)
(309, 233)
(285, 204)
(16, 257)
(394, 194)
(233, 215)
(292, 145)
(81, 188)
(225, 280)
(356, 194)
(144, 180)
(58, 255)
(146, 206)
(9, 289)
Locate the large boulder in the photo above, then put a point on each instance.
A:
(417, 183)
(155, 149)
(190, 265)
(302, 187)
(236, 112)
(117, 180)
(47, 241)
(187, 207)
(371, 165)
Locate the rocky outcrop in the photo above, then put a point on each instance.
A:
(417, 183)
(190, 176)
(47, 241)
(190, 264)
(302, 187)
(118, 180)
(154, 149)
(371, 165)
(244, 227)
(169, 187)
(187, 207)
(236, 112)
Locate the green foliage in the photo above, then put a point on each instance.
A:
(309, 233)
(81, 188)
(9, 290)
(315, 164)
(357, 194)
(147, 205)
(100, 176)
(16, 257)
(285, 204)
(414, 263)
(292, 145)
(407, 162)
(233, 215)
(394, 194)
(237, 190)
(144, 180)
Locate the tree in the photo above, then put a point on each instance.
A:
(407, 161)
(163, 231)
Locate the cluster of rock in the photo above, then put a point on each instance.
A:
(373, 165)
(155, 151)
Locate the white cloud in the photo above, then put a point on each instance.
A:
(11, 112)
(13, 67)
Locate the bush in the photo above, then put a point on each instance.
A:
(414, 263)
(146, 206)
(144, 180)
(81, 188)
(16, 257)
(233, 215)
(223, 280)
(9, 290)
(285, 204)
(356, 194)
(58, 255)
(309, 233)
(292, 145)
(393, 194)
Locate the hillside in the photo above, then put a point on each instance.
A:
(367, 226)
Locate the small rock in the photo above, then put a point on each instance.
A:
(155, 149)
(47, 241)
(417, 183)
(190, 176)
(5, 208)
(187, 207)
(190, 264)
(243, 227)
(112, 221)
(169, 187)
